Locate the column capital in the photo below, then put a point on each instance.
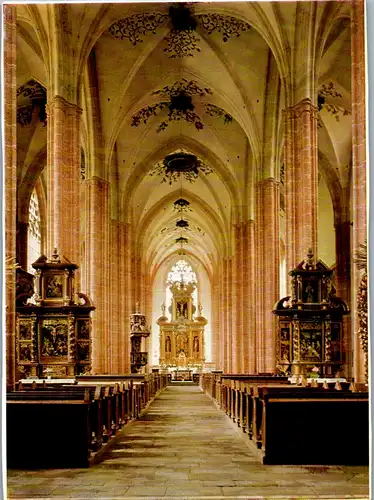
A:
(270, 181)
(97, 181)
(58, 102)
(303, 106)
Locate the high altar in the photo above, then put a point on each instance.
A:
(182, 338)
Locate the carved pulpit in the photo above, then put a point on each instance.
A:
(53, 328)
(139, 332)
(182, 338)
(310, 323)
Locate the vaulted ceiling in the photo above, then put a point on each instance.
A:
(248, 77)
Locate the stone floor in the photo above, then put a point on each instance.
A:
(185, 448)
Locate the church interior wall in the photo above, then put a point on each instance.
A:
(290, 104)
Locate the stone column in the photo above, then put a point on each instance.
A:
(97, 252)
(115, 300)
(343, 260)
(22, 238)
(237, 293)
(359, 194)
(301, 176)
(268, 271)
(10, 179)
(225, 337)
(126, 297)
(63, 178)
(249, 298)
(215, 327)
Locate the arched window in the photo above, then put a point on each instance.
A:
(34, 232)
(181, 272)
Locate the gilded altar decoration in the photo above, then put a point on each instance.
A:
(54, 338)
(182, 333)
(310, 322)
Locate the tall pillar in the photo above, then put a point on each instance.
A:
(115, 301)
(215, 327)
(125, 293)
(237, 313)
(359, 194)
(120, 299)
(63, 178)
(301, 181)
(97, 241)
(268, 221)
(260, 292)
(22, 238)
(10, 179)
(249, 299)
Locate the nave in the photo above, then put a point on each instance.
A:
(184, 447)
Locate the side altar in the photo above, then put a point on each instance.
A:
(182, 337)
(310, 323)
(53, 328)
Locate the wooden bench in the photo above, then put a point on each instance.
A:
(313, 426)
(48, 428)
(50, 424)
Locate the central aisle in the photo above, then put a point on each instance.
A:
(185, 447)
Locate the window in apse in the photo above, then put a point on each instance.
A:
(34, 233)
(181, 272)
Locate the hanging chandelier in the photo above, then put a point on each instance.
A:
(181, 40)
(178, 164)
(177, 100)
(182, 224)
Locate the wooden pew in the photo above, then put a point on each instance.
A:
(313, 426)
(48, 429)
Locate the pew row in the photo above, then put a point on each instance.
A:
(57, 425)
(308, 424)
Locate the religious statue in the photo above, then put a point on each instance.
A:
(167, 344)
(163, 308)
(309, 293)
(181, 310)
(196, 344)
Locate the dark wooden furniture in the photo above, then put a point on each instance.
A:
(318, 423)
(56, 425)
(310, 323)
(322, 427)
(53, 334)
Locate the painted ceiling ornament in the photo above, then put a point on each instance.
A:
(328, 92)
(31, 96)
(180, 164)
(177, 99)
(181, 241)
(181, 40)
(182, 205)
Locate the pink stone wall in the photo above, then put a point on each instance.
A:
(10, 179)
